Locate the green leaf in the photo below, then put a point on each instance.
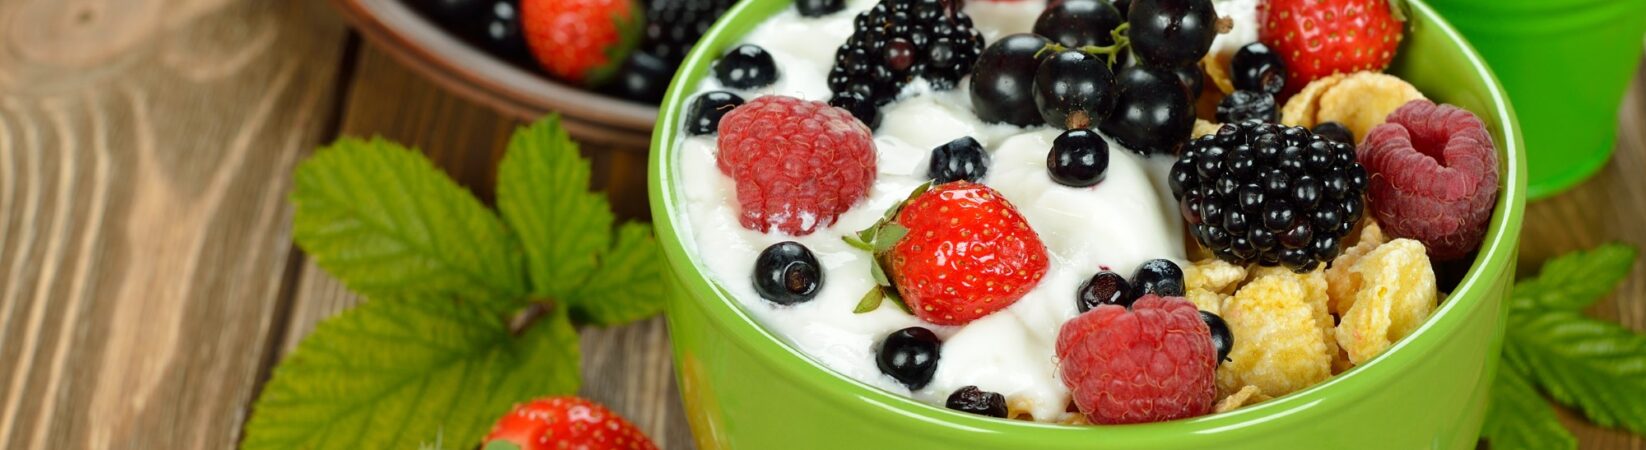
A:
(1575, 280)
(387, 223)
(1598, 367)
(888, 237)
(897, 299)
(870, 301)
(543, 192)
(501, 445)
(392, 373)
(1520, 419)
(629, 284)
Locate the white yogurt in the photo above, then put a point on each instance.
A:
(1125, 220)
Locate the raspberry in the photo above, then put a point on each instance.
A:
(798, 164)
(1153, 363)
(1433, 177)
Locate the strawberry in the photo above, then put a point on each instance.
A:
(565, 422)
(582, 41)
(1318, 38)
(953, 253)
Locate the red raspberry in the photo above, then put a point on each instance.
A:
(798, 164)
(1433, 177)
(1153, 363)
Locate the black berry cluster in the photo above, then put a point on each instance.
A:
(673, 26)
(1269, 194)
(896, 41)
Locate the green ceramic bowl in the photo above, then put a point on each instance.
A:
(744, 388)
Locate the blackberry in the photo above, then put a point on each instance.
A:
(898, 40)
(1269, 194)
(673, 26)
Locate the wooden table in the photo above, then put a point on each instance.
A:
(148, 281)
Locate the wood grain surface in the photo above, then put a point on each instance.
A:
(147, 278)
(145, 153)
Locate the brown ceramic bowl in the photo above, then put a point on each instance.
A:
(451, 62)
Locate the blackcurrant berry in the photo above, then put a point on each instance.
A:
(910, 355)
(746, 66)
(1078, 158)
(1003, 78)
(1079, 23)
(1160, 277)
(1171, 33)
(1152, 113)
(1222, 339)
(959, 159)
(1242, 106)
(1258, 68)
(819, 8)
(1104, 288)
(1073, 89)
(642, 77)
(786, 273)
(703, 116)
(977, 401)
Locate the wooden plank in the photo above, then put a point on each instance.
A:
(1610, 207)
(145, 152)
(628, 368)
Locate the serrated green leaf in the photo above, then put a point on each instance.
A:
(391, 373)
(387, 223)
(543, 192)
(628, 286)
(1576, 280)
(869, 302)
(501, 445)
(1520, 419)
(1598, 367)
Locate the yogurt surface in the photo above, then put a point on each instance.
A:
(1116, 225)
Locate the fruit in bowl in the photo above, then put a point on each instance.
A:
(623, 48)
(1271, 302)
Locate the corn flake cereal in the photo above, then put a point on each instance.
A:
(1397, 294)
(1280, 341)
(1245, 396)
(1205, 300)
(1203, 127)
(1300, 110)
(1364, 100)
(1214, 275)
(1342, 283)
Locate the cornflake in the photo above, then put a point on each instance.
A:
(1245, 396)
(1364, 100)
(1213, 275)
(1280, 334)
(1398, 292)
(1300, 110)
(1342, 283)
(1202, 127)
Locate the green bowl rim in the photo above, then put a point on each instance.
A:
(1495, 260)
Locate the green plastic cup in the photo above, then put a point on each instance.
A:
(1565, 64)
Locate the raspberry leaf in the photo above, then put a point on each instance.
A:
(1576, 280)
(1520, 419)
(627, 287)
(394, 372)
(386, 222)
(1598, 367)
(543, 193)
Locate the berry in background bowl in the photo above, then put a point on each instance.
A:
(1083, 271)
(602, 64)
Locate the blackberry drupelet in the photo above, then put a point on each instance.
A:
(1269, 194)
(673, 26)
(898, 40)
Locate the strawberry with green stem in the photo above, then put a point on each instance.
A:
(951, 254)
(583, 42)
